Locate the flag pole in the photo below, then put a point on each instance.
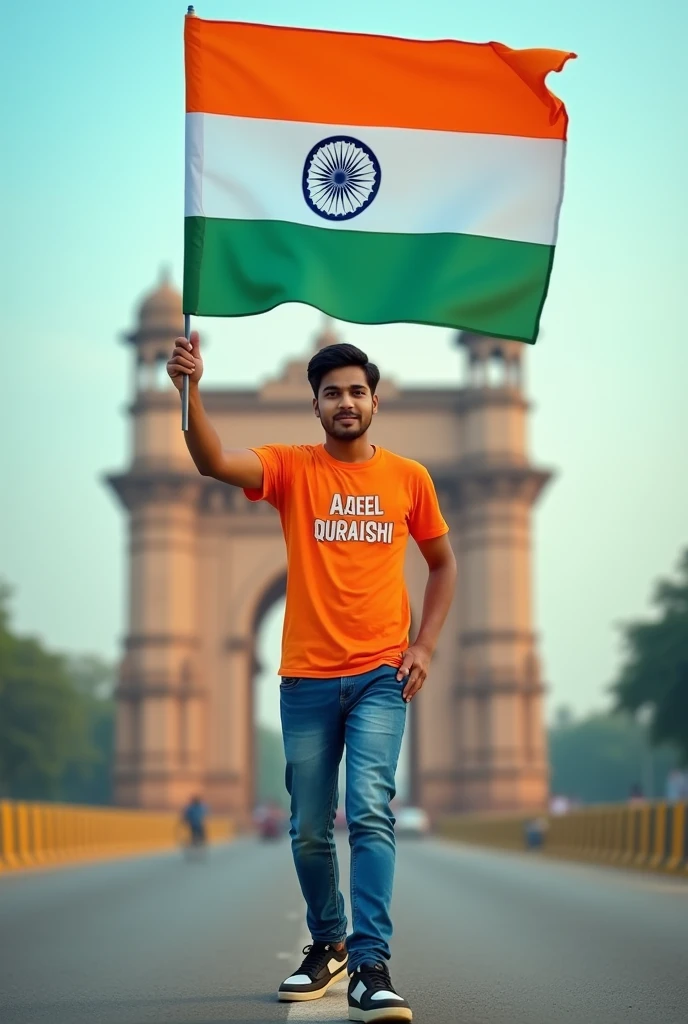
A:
(185, 379)
(190, 13)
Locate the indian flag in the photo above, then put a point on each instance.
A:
(378, 179)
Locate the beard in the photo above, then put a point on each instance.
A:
(341, 432)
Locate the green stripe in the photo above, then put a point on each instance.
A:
(487, 285)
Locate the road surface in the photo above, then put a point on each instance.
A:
(482, 937)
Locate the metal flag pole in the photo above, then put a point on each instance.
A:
(190, 13)
(185, 380)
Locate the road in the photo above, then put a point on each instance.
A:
(482, 937)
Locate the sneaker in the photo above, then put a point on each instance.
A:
(322, 968)
(372, 996)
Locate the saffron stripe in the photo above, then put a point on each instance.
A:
(294, 74)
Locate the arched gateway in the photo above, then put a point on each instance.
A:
(205, 565)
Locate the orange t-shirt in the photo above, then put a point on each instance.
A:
(346, 526)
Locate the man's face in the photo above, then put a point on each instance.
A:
(344, 404)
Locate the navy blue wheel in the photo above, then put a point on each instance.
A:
(341, 177)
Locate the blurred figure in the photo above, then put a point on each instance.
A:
(535, 831)
(193, 816)
(636, 795)
(270, 820)
(340, 820)
(677, 786)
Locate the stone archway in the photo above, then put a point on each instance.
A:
(205, 563)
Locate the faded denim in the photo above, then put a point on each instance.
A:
(366, 713)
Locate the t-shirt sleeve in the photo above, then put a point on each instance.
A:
(277, 460)
(425, 521)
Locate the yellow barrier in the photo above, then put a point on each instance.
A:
(502, 830)
(33, 834)
(652, 836)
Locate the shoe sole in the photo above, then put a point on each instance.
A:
(302, 997)
(386, 1013)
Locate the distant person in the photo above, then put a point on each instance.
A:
(535, 831)
(636, 795)
(271, 821)
(348, 508)
(676, 786)
(194, 816)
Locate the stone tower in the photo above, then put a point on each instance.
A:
(160, 695)
(502, 756)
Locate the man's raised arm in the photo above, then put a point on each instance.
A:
(238, 466)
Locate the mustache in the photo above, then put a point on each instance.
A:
(347, 416)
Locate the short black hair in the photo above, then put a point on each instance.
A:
(332, 357)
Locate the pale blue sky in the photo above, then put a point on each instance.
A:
(92, 206)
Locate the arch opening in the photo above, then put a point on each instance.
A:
(268, 754)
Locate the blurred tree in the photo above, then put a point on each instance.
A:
(91, 676)
(42, 719)
(270, 766)
(563, 717)
(88, 779)
(599, 758)
(55, 720)
(655, 673)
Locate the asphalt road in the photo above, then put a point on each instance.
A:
(481, 938)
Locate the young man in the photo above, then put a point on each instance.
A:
(347, 508)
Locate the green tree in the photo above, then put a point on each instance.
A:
(655, 672)
(55, 720)
(270, 766)
(599, 758)
(88, 779)
(42, 719)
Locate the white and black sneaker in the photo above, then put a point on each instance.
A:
(322, 968)
(372, 996)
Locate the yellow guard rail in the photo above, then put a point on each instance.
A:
(33, 834)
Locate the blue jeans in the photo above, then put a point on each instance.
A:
(366, 713)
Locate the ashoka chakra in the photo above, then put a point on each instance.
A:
(341, 177)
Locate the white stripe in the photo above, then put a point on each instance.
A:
(499, 186)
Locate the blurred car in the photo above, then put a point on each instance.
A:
(340, 820)
(412, 822)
